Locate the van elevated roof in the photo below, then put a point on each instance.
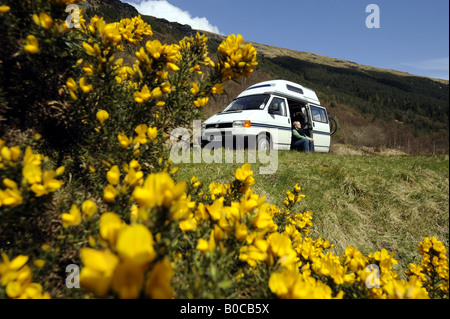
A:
(284, 88)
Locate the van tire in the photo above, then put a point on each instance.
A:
(264, 143)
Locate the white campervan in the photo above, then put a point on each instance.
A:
(265, 113)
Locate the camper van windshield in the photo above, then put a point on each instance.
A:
(252, 102)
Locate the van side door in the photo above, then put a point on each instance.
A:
(320, 128)
(280, 123)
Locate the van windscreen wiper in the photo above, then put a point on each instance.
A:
(240, 111)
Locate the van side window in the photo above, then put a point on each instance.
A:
(277, 107)
(319, 114)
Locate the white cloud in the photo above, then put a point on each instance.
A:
(165, 10)
(434, 68)
(432, 64)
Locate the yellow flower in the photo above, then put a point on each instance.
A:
(401, 289)
(218, 88)
(215, 210)
(4, 9)
(109, 193)
(201, 101)
(89, 209)
(89, 49)
(134, 178)
(241, 231)
(88, 68)
(209, 62)
(157, 93)
(383, 258)
(141, 131)
(202, 245)
(45, 20)
(110, 225)
(212, 242)
(280, 244)
(14, 289)
(124, 141)
(128, 280)
(111, 33)
(113, 175)
(172, 66)
(60, 170)
(85, 87)
(10, 196)
(32, 173)
(155, 48)
(18, 262)
(143, 96)
(166, 87)
(39, 263)
(158, 284)
(5, 152)
(255, 253)
(159, 190)
(71, 84)
(236, 59)
(135, 245)
(98, 270)
(34, 291)
(244, 174)
(50, 184)
(195, 182)
(195, 89)
(73, 218)
(262, 220)
(152, 133)
(354, 259)
(189, 224)
(32, 45)
(9, 154)
(289, 284)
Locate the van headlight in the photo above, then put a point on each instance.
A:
(203, 126)
(238, 124)
(242, 124)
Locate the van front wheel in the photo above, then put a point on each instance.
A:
(263, 143)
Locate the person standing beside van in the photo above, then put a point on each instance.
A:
(300, 141)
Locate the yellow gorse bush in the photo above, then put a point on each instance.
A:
(32, 179)
(237, 59)
(432, 271)
(17, 278)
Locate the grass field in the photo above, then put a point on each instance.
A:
(370, 202)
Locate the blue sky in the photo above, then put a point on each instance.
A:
(413, 35)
